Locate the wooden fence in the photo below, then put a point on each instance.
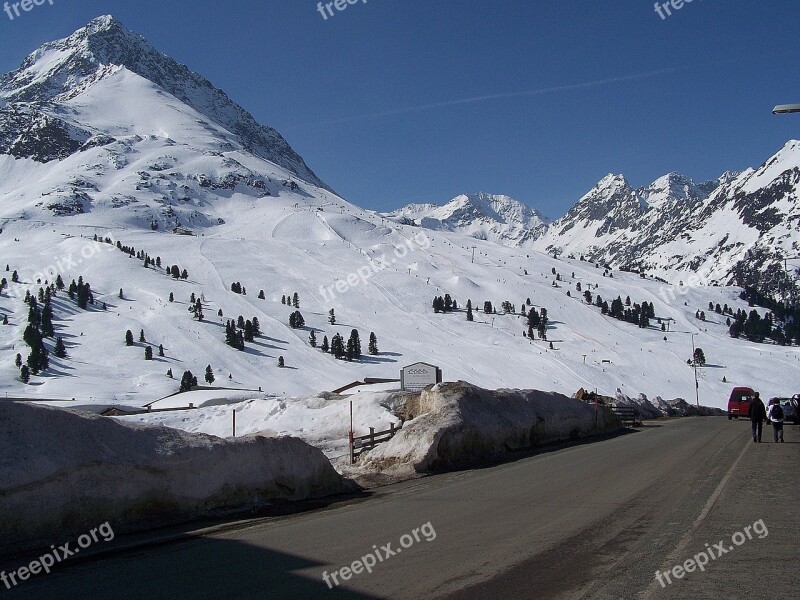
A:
(360, 444)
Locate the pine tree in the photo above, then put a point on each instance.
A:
(617, 309)
(325, 347)
(60, 350)
(18, 360)
(129, 338)
(141, 336)
(186, 381)
(337, 346)
(184, 274)
(121, 296)
(198, 310)
(169, 373)
(312, 339)
(296, 320)
(281, 364)
(47, 320)
(699, 357)
(261, 295)
(148, 353)
(470, 318)
(59, 283)
(171, 297)
(296, 300)
(533, 319)
(37, 359)
(84, 294)
(209, 375)
(283, 299)
(160, 350)
(331, 317)
(353, 345)
(24, 374)
(373, 344)
(256, 327)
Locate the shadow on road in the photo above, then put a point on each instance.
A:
(193, 570)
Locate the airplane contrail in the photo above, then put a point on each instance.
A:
(487, 97)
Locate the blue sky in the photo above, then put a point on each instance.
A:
(397, 101)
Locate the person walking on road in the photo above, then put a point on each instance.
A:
(757, 414)
(776, 415)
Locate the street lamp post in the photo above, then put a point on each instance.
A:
(696, 382)
(785, 109)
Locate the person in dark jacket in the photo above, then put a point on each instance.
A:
(757, 414)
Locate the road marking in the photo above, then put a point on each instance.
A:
(674, 556)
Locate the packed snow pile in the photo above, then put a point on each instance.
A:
(64, 472)
(458, 424)
(322, 420)
(659, 407)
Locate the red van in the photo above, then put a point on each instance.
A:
(739, 402)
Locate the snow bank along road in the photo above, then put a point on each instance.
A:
(586, 521)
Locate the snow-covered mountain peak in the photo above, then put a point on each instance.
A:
(611, 183)
(672, 188)
(485, 216)
(501, 208)
(67, 70)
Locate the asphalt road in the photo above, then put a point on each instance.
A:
(589, 521)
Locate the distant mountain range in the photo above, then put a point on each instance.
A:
(484, 216)
(735, 230)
